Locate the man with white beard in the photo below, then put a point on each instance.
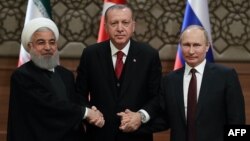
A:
(43, 104)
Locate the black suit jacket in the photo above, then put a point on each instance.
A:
(220, 102)
(42, 106)
(139, 83)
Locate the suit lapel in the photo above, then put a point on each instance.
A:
(179, 94)
(130, 67)
(105, 58)
(204, 88)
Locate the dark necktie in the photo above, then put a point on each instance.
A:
(119, 64)
(191, 107)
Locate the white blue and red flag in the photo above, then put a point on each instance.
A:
(35, 9)
(196, 13)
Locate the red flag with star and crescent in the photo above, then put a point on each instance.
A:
(102, 36)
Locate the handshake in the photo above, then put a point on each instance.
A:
(130, 121)
(95, 117)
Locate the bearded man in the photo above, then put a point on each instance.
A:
(43, 104)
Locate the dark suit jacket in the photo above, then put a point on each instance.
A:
(220, 102)
(42, 108)
(139, 83)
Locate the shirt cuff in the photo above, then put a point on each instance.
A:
(147, 117)
(86, 113)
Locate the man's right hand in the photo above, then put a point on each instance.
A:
(95, 117)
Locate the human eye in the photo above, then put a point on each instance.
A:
(113, 24)
(196, 45)
(40, 42)
(185, 45)
(126, 23)
(52, 42)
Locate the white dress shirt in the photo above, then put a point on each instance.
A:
(125, 50)
(114, 50)
(187, 78)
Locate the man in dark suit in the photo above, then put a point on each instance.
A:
(43, 105)
(131, 89)
(218, 101)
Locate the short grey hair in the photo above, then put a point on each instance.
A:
(196, 27)
(118, 6)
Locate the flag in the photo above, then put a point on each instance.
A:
(102, 36)
(196, 13)
(35, 9)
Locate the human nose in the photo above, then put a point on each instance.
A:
(120, 27)
(191, 49)
(47, 46)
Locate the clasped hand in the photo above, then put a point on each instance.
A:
(130, 121)
(95, 117)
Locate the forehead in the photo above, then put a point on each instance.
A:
(119, 13)
(193, 34)
(46, 35)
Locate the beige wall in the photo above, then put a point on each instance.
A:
(158, 23)
(8, 64)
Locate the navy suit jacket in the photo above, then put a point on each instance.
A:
(220, 102)
(139, 83)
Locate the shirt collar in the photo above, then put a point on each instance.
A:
(124, 50)
(52, 70)
(200, 68)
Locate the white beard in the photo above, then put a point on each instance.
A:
(45, 62)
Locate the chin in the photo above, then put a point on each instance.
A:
(191, 64)
(120, 41)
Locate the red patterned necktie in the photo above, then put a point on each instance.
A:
(191, 107)
(119, 64)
